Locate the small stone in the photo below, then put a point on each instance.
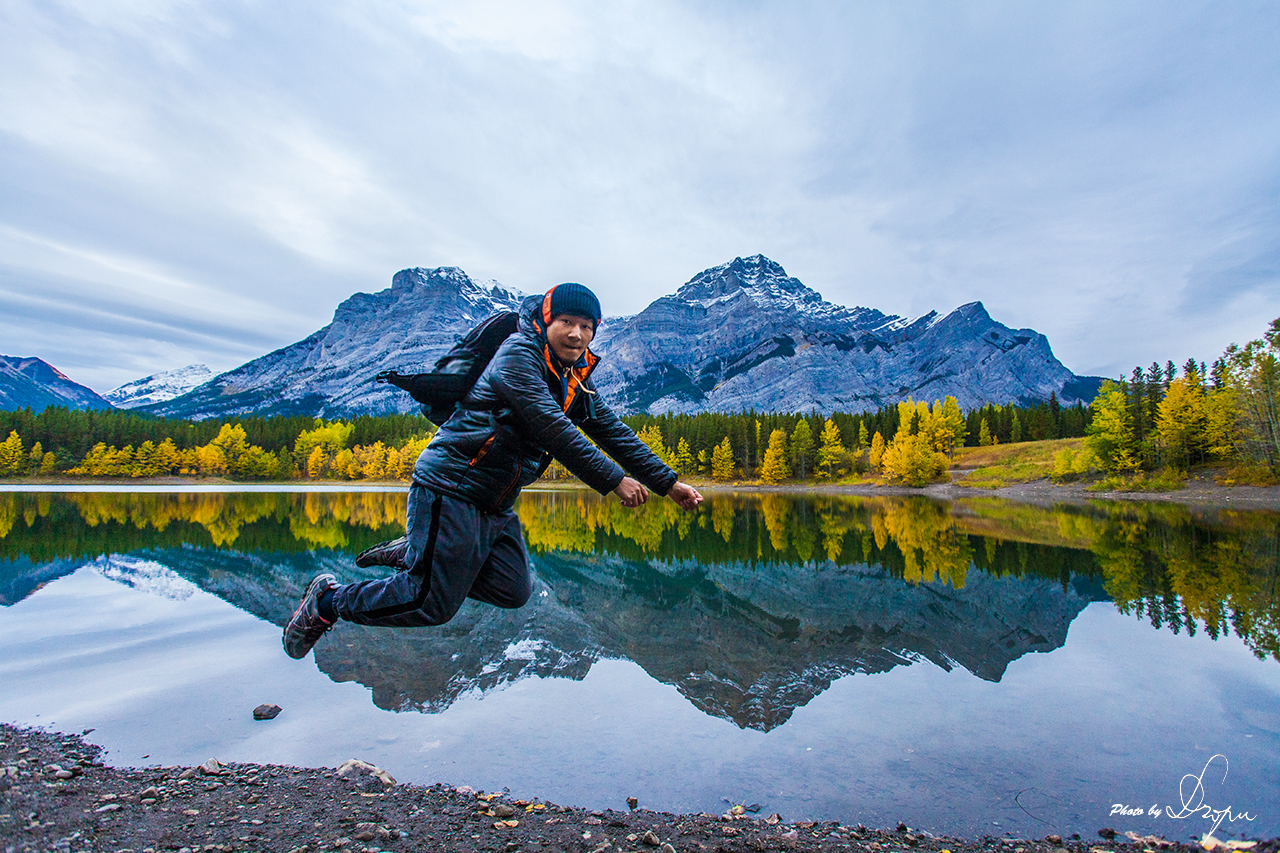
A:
(912, 841)
(266, 712)
(64, 774)
(1055, 840)
(593, 821)
(650, 838)
(1107, 833)
(109, 807)
(189, 773)
(503, 810)
(366, 835)
(666, 848)
(151, 792)
(213, 767)
(902, 827)
(632, 802)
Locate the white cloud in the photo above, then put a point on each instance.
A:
(1101, 173)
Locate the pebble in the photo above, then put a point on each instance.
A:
(650, 838)
(213, 767)
(64, 774)
(266, 711)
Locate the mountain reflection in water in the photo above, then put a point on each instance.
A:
(750, 607)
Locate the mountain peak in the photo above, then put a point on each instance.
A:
(756, 273)
(158, 387)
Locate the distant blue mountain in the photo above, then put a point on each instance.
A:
(32, 383)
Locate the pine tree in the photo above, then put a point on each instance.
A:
(775, 468)
(801, 447)
(722, 461)
(832, 451)
(1015, 429)
(863, 438)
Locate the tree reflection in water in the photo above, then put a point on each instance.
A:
(1181, 569)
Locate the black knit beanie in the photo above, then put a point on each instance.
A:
(570, 298)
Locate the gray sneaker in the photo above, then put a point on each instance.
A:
(307, 626)
(385, 554)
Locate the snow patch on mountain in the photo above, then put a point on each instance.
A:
(158, 387)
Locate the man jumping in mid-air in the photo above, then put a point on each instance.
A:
(462, 538)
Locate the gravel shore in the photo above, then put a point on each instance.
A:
(56, 795)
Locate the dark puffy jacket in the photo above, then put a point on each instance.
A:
(524, 410)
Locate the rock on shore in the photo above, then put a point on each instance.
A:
(56, 795)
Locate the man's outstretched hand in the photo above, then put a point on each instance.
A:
(685, 496)
(631, 493)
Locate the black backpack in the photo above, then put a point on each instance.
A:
(441, 391)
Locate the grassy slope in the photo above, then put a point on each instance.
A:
(1007, 464)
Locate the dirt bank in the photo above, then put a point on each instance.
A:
(56, 795)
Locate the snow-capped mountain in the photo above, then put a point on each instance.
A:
(738, 336)
(330, 373)
(30, 382)
(158, 387)
(746, 335)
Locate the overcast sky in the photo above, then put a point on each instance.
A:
(190, 182)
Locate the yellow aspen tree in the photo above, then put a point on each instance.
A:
(775, 468)
(652, 437)
(34, 457)
(877, 450)
(1221, 423)
(950, 430)
(984, 434)
(123, 462)
(210, 461)
(1180, 421)
(144, 461)
(722, 461)
(168, 458)
(1110, 434)
(863, 438)
(801, 445)
(48, 464)
(683, 460)
(11, 455)
(831, 451)
(317, 462)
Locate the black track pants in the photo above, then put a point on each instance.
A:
(456, 552)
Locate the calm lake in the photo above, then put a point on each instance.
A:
(976, 667)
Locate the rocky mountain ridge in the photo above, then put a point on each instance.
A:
(330, 373)
(158, 387)
(742, 335)
(36, 384)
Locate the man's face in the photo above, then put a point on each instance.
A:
(569, 335)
